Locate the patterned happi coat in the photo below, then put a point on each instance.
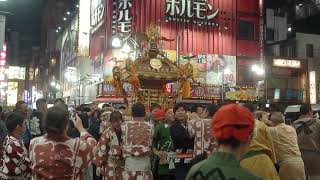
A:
(137, 142)
(108, 155)
(61, 157)
(14, 162)
(104, 126)
(203, 139)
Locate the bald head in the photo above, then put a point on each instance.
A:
(277, 118)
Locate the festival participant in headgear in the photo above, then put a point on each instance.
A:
(182, 140)
(14, 161)
(108, 155)
(57, 156)
(104, 118)
(232, 127)
(162, 143)
(261, 153)
(287, 151)
(137, 138)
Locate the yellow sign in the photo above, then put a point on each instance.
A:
(171, 54)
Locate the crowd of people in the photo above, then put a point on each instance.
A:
(230, 141)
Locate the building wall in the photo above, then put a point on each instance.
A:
(304, 39)
(278, 24)
(195, 39)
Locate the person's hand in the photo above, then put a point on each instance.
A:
(160, 154)
(78, 124)
(98, 171)
(194, 116)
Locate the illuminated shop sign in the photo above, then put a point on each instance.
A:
(96, 14)
(122, 19)
(198, 12)
(84, 28)
(286, 63)
(313, 87)
(16, 72)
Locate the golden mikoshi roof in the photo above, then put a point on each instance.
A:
(156, 69)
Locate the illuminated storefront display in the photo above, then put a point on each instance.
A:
(16, 72)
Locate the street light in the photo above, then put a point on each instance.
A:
(116, 43)
(257, 69)
(58, 87)
(53, 84)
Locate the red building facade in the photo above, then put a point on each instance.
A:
(198, 27)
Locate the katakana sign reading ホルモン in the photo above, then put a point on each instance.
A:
(199, 12)
(124, 17)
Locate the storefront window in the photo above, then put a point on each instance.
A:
(245, 30)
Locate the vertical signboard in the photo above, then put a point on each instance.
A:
(2, 30)
(313, 87)
(84, 28)
(121, 16)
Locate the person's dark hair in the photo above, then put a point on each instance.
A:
(212, 109)
(122, 107)
(106, 105)
(13, 120)
(19, 105)
(59, 100)
(194, 108)
(40, 102)
(115, 116)
(56, 120)
(138, 110)
(154, 106)
(86, 109)
(1, 109)
(233, 142)
(97, 112)
(250, 106)
(179, 105)
(78, 108)
(305, 109)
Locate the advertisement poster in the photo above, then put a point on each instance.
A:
(205, 91)
(220, 67)
(241, 94)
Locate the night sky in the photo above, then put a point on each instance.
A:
(26, 18)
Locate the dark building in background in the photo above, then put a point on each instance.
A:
(292, 50)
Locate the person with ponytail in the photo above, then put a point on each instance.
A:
(232, 127)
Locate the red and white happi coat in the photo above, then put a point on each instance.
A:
(109, 147)
(203, 139)
(137, 138)
(61, 157)
(14, 162)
